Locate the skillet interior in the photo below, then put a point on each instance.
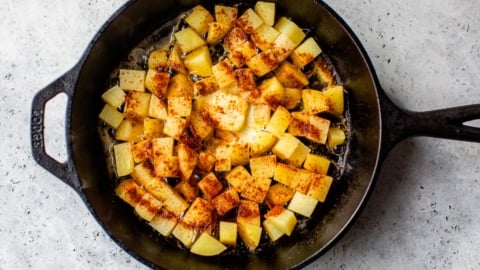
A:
(136, 21)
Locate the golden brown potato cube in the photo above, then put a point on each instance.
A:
(305, 52)
(292, 97)
(157, 82)
(164, 222)
(263, 63)
(334, 95)
(225, 16)
(111, 116)
(198, 19)
(152, 128)
(223, 158)
(318, 129)
(199, 62)
(148, 207)
(273, 92)
(142, 151)
(314, 101)
(187, 159)
(257, 189)
(130, 130)
(136, 104)
(278, 194)
(223, 73)
(319, 187)
(279, 122)
(205, 86)
(248, 213)
(189, 40)
(132, 80)
(215, 32)
(179, 106)
(180, 86)
(158, 59)
(114, 96)
(174, 126)
(124, 163)
(228, 112)
(240, 55)
(245, 79)
(290, 29)
(265, 36)
(162, 146)
(324, 72)
(290, 76)
(299, 124)
(201, 127)
(239, 178)
(240, 153)
(282, 47)
(226, 201)
(249, 21)
(210, 186)
(206, 161)
(157, 108)
(175, 60)
(285, 173)
(302, 181)
(317, 164)
(263, 167)
(188, 188)
(234, 39)
(130, 192)
(166, 166)
(262, 142)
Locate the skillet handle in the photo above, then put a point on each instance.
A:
(446, 123)
(65, 84)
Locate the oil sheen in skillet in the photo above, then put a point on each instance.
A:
(227, 128)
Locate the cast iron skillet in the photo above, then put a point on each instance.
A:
(377, 125)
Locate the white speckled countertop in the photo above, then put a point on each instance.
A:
(423, 213)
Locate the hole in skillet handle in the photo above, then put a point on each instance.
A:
(63, 170)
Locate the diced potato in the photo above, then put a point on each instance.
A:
(228, 233)
(258, 116)
(166, 166)
(264, 36)
(180, 86)
(132, 80)
(302, 181)
(282, 47)
(130, 130)
(263, 167)
(279, 122)
(223, 73)
(318, 129)
(336, 136)
(249, 21)
(210, 186)
(188, 188)
(266, 11)
(130, 192)
(175, 60)
(199, 62)
(240, 153)
(334, 96)
(262, 142)
(273, 92)
(273, 233)
(188, 40)
(197, 219)
(157, 109)
(136, 104)
(320, 186)
(248, 213)
(148, 207)
(205, 86)
(290, 76)
(257, 189)
(234, 39)
(207, 245)
(142, 151)
(278, 194)
(111, 116)
(226, 16)
(263, 63)
(283, 219)
(305, 52)
(292, 98)
(317, 164)
(250, 234)
(240, 55)
(202, 128)
(114, 96)
(299, 155)
(198, 19)
(223, 157)
(302, 204)
(324, 72)
(246, 81)
(290, 29)
(314, 101)
(164, 222)
(239, 178)
(124, 163)
(158, 59)
(291, 176)
(215, 32)
(152, 128)
(179, 106)
(206, 161)
(163, 146)
(187, 159)
(174, 126)
(157, 82)
(227, 111)
(286, 146)
(226, 201)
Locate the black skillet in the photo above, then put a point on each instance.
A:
(376, 126)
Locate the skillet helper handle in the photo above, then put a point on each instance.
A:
(63, 170)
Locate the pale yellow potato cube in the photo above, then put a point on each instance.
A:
(334, 96)
(285, 173)
(158, 59)
(187, 160)
(292, 97)
(263, 63)
(210, 186)
(282, 47)
(179, 106)
(130, 130)
(278, 194)
(114, 96)
(258, 116)
(228, 233)
(305, 53)
(257, 189)
(286, 146)
(175, 61)
(248, 213)
(249, 21)
(142, 151)
(136, 104)
(223, 158)
(272, 93)
(198, 19)
(283, 219)
(240, 153)
(336, 136)
(226, 201)
(174, 126)
(199, 62)
(157, 82)
(180, 86)
(302, 204)
(279, 122)
(263, 167)
(164, 222)
(264, 36)
(223, 73)
(157, 108)
(290, 29)
(250, 234)
(319, 187)
(226, 15)
(148, 206)
(317, 164)
(241, 54)
(207, 245)
(132, 80)
(290, 76)
(124, 163)
(314, 101)
(273, 233)
(261, 142)
(266, 11)
(324, 72)
(227, 111)
(111, 116)
(152, 128)
(239, 178)
(299, 155)
(130, 192)
(188, 40)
